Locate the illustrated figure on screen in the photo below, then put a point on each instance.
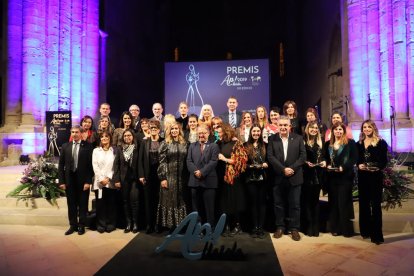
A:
(192, 78)
(52, 136)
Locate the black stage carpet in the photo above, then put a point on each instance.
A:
(241, 255)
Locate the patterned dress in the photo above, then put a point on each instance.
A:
(171, 207)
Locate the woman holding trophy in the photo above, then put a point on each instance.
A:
(341, 155)
(372, 159)
(312, 176)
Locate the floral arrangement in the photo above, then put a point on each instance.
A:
(38, 180)
(395, 186)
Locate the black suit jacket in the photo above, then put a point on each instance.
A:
(225, 117)
(143, 160)
(121, 167)
(85, 169)
(205, 162)
(296, 156)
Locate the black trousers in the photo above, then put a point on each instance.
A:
(310, 209)
(370, 212)
(106, 212)
(130, 194)
(341, 205)
(203, 197)
(287, 205)
(256, 192)
(77, 200)
(151, 197)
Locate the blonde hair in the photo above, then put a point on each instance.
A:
(264, 121)
(168, 137)
(317, 138)
(168, 120)
(375, 134)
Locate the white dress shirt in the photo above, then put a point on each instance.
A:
(103, 163)
(285, 142)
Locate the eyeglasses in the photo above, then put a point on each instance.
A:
(153, 127)
(134, 110)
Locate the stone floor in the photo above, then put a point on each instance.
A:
(42, 249)
(45, 250)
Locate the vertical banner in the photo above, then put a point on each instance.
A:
(213, 82)
(58, 124)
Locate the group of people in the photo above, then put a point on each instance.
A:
(232, 163)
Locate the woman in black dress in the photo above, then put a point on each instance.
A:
(233, 159)
(172, 174)
(290, 110)
(256, 179)
(312, 176)
(341, 155)
(372, 159)
(126, 178)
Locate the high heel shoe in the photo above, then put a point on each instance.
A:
(128, 228)
(135, 228)
(237, 230)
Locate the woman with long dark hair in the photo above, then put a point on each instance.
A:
(256, 179)
(232, 162)
(126, 178)
(372, 159)
(124, 123)
(190, 133)
(88, 134)
(341, 156)
(243, 132)
(290, 110)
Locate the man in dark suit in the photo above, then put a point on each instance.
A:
(104, 110)
(135, 110)
(232, 116)
(75, 176)
(286, 154)
(202, 158)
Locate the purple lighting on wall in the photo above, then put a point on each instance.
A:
(381, 63)
(53, 61)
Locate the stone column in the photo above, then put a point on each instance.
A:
(13, 97)
(386, 59)
(102, 67)
(33, 62)
(400, 58)
(410, 58)
(381, 43)
(52, 64)
(373, 60)
(355, 61)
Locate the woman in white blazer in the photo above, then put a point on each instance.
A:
(104, 187)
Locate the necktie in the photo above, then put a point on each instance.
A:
(75, 156)
(202, 148)
(232, 120)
